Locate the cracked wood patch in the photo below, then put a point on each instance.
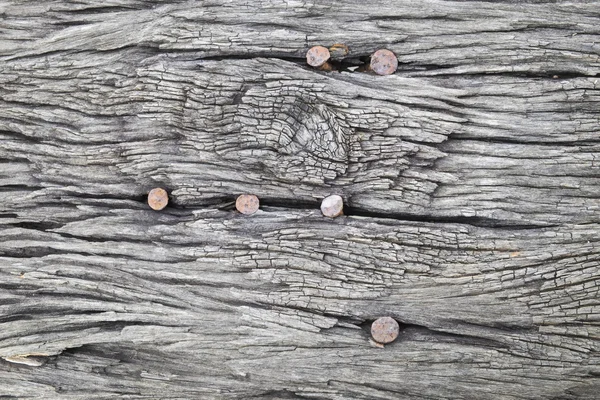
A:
(470, 179)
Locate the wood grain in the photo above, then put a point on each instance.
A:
(470, 179)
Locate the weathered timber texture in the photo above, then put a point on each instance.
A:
(470, 176)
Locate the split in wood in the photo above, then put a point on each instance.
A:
(382, 62)
(331, 206)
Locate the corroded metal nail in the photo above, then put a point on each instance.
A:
(383, 62)
(385, 330)
(247, 204)
(158, 199)
(318, 57)
(338, 51)
(332, 206)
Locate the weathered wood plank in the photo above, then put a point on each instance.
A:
(213, 129)
(278, 301)
(471, 178)
(429, 37)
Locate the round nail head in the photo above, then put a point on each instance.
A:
(385, 330)
(158, 199)
(332, 206)
(247, 204)
(317, 56)
(384, 62)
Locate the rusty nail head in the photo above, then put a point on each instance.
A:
(332, 206)
(384, 62)
(385, 330)
(317, 56)
(247, 204)
(158, 199)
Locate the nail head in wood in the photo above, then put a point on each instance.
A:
(384, 62)
(332, 206)
(385, 330)
(317, 56)
(247, 204)
(158, 198)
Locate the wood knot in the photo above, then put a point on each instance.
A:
(302, 139)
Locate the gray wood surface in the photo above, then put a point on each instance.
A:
(470, 178)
